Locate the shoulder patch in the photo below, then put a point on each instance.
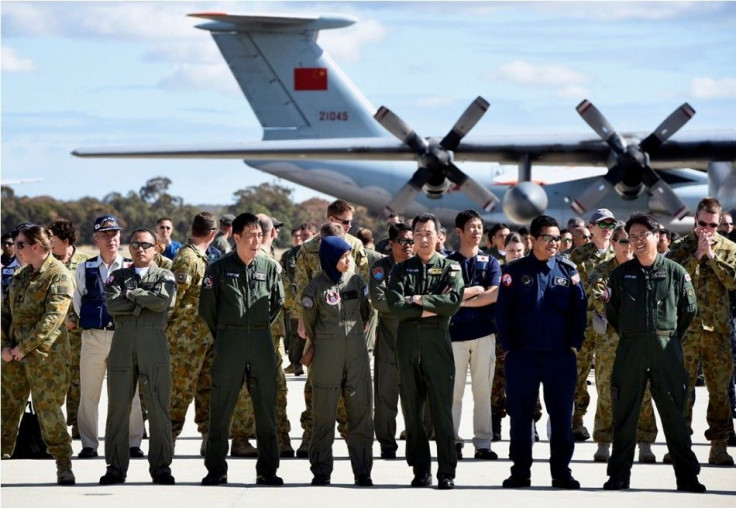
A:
(575, 278)
(307, 302)
(110, 280)
(208, 282)
(482, 258)
(455, 267)
(182, 277)
(365, 290)
(378, 273)
(687, 277)
(606, 296)
(506, 279)
(332, 297)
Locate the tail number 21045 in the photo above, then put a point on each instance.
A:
(333, 116)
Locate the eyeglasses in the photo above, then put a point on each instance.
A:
(550, 238)
(164, 227)
(344, 222)
(21, 245)
(623, 241)
(141, 245)
(405, 241)
(639, 238)
(606, 225)
(566, 239)
(585, 237)
(704, 224)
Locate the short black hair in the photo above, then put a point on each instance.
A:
(143, 230)
(6, 236)
(644, 219)
(64, 230)
(539, 223)
(466, 216)
(244, 220)
(523, 230)
(396, 229)
(666, 232)
(496, 228)
(423, 218)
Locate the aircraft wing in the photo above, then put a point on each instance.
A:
(685, 151)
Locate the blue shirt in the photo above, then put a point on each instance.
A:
(171, 249)
(474, 322)
(541, 305)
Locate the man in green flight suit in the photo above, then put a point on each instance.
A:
(423, 293)
(241, 296)
(650, 303)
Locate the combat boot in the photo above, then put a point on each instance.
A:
(303, 451)
(285, 449)
(203, 446)
(64, 474)
(719, 454)
(243, 448)
(496, 427)
(603, 453)
(646, 456)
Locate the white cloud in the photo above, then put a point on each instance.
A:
(11, 62)
(525, 73)
(572, 92)
(345, 45)
(709, 88)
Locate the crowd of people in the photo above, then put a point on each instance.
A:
(203, 321)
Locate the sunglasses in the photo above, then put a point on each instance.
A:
(21, 245)
(623, 241)
(606, 225)
(586, 237)
(703, 224)
(405, 241)
(550, 238)
(141, 245)
(344, 222)
(724, 223)
(566, 239)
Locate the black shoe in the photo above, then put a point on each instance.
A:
(388, 454)
(111, 478)
(445, 483)
(320, 480)
(731, 439)
(136, 453)
(496, 428)
(163, 479)
(87, 453)
(485, 454)
(580, 434)
(692, 485)
(421, 480)
(302, 453)
(514, 482)
(459, 450)
(286, 453)
(298, 370)
(269, 479)
(214, 479)
(616, 484)
(363, 480)
(568, 483)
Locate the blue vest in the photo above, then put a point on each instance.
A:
(93, 311)
(8, 272)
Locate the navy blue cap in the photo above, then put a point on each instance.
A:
(107, 223)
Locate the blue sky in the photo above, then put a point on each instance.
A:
(80, 74)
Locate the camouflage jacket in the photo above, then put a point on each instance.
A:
(586, 257)
(599, 282)
(288, 263)
(163, 262)
(712, 279)
(184, 321)
(277, 326)
(33, 314)
(307, 265)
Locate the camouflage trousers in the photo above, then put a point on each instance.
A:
(498, 388)
(72, 395)
(191, 378)
(605, 354)
(242, 424)
(585, 360)
(46, 379)
(713, 351)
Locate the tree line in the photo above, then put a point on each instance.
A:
(143, 207)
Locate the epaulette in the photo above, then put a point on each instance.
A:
(567, 262)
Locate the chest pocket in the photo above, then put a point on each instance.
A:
(560, 290)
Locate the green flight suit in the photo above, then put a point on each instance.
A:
(334, 318)
(239, 303)
(424, 355)
(139, 306)
(650, 309)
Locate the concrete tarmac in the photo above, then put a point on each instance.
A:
(32, 483)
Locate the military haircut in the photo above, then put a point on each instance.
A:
(466, 216)
(161, 219)
(423, 218)
(537, 225)
(710, 205)
(331, 229)
(245, 220)
(63, 229)
(37, 235)
(365, 235)
(308, 226)
(396, 229)
(666, 232)
(575, 222)
(512, 238)
(202, 224)
(266, 223)
(339, 207)
(6, 236)
(156, 240)
(643, 219)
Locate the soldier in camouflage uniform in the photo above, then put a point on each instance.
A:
(710, 259)
(63, 238)
(586, 256)
(190, 342)
(339, 213)
(295, 344)
(606, 342)
(35, 348)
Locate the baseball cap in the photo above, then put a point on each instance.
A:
(20, 227)
(276, 223)
(601, 214)
(227, 219)
(107, 223)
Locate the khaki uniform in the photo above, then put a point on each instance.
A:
(334, 317)
(75, 344)
(139, 305)
(586, 257)
(190, 343)
(33, 316)
(708, 338)
(605, 346)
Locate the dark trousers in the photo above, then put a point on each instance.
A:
(557, 372)
(386, 382)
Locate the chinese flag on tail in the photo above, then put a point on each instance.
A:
(310, 78)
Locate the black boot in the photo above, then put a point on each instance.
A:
(496, 428)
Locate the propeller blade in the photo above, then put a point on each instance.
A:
(601, 126)
(467, 121)
(406, 194)
(664, 193)
(475, 191)
(592, 195)
(396, 126)
(667, 128)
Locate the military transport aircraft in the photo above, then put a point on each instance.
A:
(321, 132)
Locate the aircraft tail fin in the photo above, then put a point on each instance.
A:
(295, 89)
